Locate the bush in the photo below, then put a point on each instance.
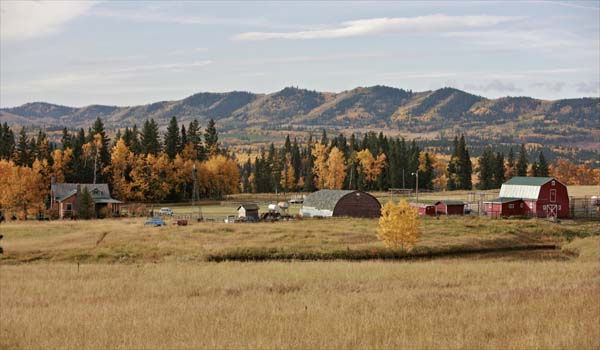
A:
(104, 213)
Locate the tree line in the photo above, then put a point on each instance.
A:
(188, 161)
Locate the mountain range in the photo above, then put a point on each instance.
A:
(377, 107)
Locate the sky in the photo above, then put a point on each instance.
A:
(129, 53)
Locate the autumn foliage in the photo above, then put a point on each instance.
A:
(399, 225)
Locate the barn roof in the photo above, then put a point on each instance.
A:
(523, 187)
(63, 191)
(528, 181)
(450, 202)
(325, 199)
(502, 200)
(248, 206)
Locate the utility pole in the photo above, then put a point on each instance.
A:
(403, 185)
(416, 173)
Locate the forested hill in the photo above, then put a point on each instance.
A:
(447, 109)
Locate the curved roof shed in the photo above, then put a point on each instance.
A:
(326, 203)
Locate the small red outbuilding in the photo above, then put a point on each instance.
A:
(449, 207)
(425, 209)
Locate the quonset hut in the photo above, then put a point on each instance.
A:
(326, 203)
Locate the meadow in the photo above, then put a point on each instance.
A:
(117, 284)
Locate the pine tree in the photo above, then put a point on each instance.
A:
(486, 169)
(465, 165)
(22, 150)
(543, 169)
(104, 155)
(522, 162)
(172, 139)
(499, 171)
(211, 138)
(7, 142)
(511, 169)
(86, 205)
(184, 139)
(150, 143)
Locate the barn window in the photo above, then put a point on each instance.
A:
(521, 205)
(559, 207)
(511, 206)
(553, 182)
(552, 196)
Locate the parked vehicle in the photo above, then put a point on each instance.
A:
(230, 219)
(165, 211)
(156, 222)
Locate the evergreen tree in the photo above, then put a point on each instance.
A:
(184, 140)
(543, 166)
(7, 142)
(172, 139)
(22, 150)
(194, 137)
(66, 139)
(324, 139)
(499, 172)
(510, 164)
(465, 165)
(522, 162)
(98, 128)
(150, 143)
(211, 138)
(86, 205)
(487, 163)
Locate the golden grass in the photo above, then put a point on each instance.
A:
(129, 240)
(449, 304)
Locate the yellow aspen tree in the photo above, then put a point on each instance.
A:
(370, 166)
(120, 163)
(223, 176)
(288, 175)
(140, 179)
(399, 225)
(61, 160)
(336, 169)
(21, 188)
(319, 151)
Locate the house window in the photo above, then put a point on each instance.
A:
(69, 206)
(511, 206)
(552, 196)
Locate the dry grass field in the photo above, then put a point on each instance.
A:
(445, 304)
(116, 284)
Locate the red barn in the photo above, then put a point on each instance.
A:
(541, 196)
(506, 206)
(448, 207)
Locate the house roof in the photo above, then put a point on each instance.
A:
(62, 191)
(249, 206)
(450, 202)
(523, 187)
(326, 199)
(502, 200)
(107, 200)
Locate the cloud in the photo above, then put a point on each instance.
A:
(590, 87)
(523, 38)
(21, 20)
(556, 86)
(419, 24)
(494, 85)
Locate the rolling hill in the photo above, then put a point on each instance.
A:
(572, 121)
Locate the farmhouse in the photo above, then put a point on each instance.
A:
(65, 198)
(449, 207)
(536, 196)
(248, 210)
(325, 203)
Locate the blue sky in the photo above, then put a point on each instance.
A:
(128, 53)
